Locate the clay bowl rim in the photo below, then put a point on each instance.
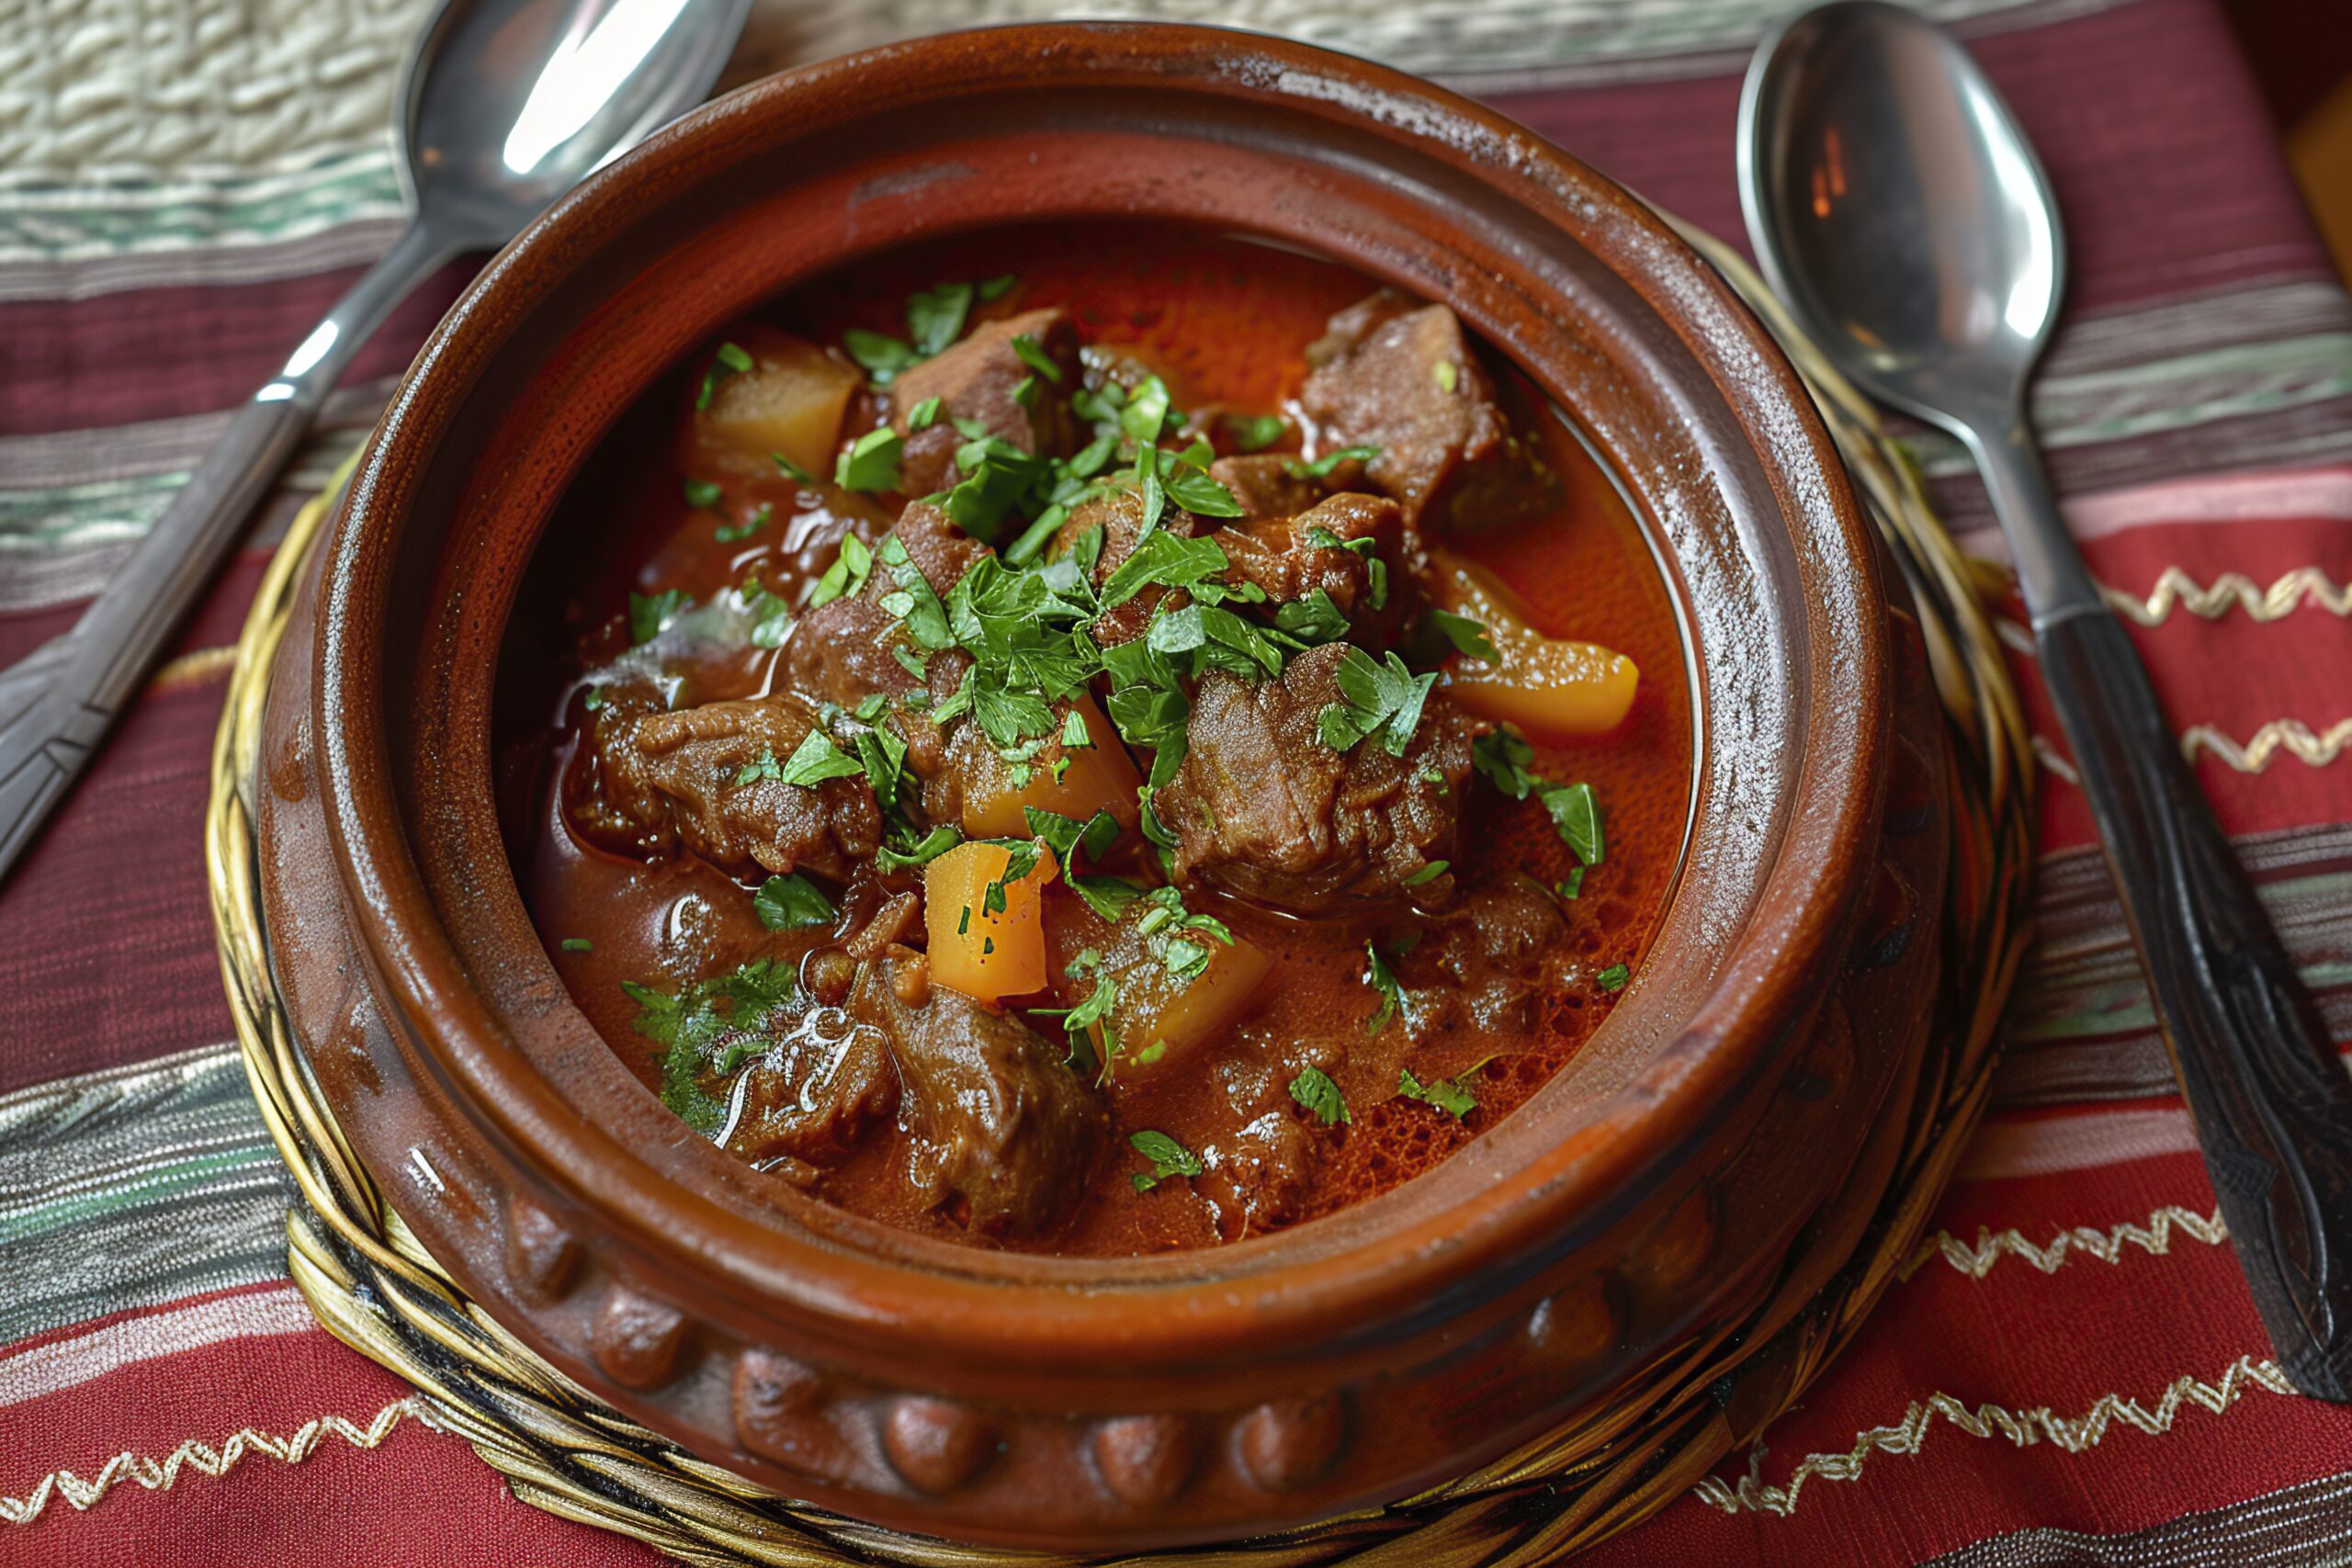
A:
(1022, 1306)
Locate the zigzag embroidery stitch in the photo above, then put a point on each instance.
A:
(2154, 1238)
(158, 1477)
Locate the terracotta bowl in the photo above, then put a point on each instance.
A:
(1651, 1193)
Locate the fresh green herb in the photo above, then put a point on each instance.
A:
(882, 357)
(1185, 961)
(711, 1024)
(1169, 1159)
(730, 360)
(914, 601)
(996, 287)
(727, 533)
(792, 903)
(1165, 558)
(847, 575)
(578, 945)
(1502, 754)
(702, 493)
(764, 766)
(1468, 636)
(1314, 1088)
(1383, 979)
(883, 756)
(1448, 377)
(1145, 411)
(1108, 896)
(1427, 874)
(1376, 698)
(1188, 483)
(1613, 978)
(1314, 619)
(935, 316)
(1575, 814)
(1079, 1023)
(791, 469)
(1449, 1095)
(770, 616)
(1256, 432)
(1025, 349)
(1572, 885)
(1322, 467)
(872, 461)
(1076, 737)
(915, 854)
(650, 616)
(1066, 836)
(925, 414)
(815, 760)
(594, 701)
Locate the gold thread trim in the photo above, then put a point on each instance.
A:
(2175, 588)
(160, 1475)
(2154, 1237)
(2024, 1429)
(2261, 749)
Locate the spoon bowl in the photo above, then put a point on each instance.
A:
(1908, 219)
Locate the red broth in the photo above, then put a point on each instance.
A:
(1226, 321)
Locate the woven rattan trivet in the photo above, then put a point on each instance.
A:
(376, 1290)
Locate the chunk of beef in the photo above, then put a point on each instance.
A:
(1262, 808)
(975, 381)
(1282, 560)
(992, 1116)
(1266, 487)
(1486, 960)
(702, 777)
(808, 1101)
(1256, 1180)
(1405, 380)
(939, 549)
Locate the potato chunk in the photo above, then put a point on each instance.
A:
(791, 402)
(986, 953)
(1546, 685)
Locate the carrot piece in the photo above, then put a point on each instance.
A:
(986, 953)
(1099, 777)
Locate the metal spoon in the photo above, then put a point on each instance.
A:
(1895, 204)
(504, 104)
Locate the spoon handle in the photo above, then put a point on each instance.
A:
(54, 712)
(2269, 1095)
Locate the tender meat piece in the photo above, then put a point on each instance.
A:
(1265, 487)
(673, 776)
(940, 550)
(1280, 558)
(1488, 958)
(810, 1100)
(1257, 1179)
(1262, 808)
(840, 652)
(992, 1116)
(1404, 380)
(1120, 516)
(975, 379)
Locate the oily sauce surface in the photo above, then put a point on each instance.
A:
(1225, 322)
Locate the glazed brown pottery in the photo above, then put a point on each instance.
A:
(1650, 1194)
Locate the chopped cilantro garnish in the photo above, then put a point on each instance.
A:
(1079, 1023)
(872, 461)
(1190, 486)
(1427, 874)
(881, 355)
(1169, 1159)
(650, 616)
(727, 533)
(914, 602)
(1502, 754)
(935, 316)
(1108, 896)
(1468, 636)
(1314, 619)
(925, 414)
(1165, 558)
(847, 574)
(1447, 1095)
(1066, 835)
(1376, 698)
(907, 854)
(1256, 432)
(1571, 885)
(1025, 348)
(764, 766)
(1613, 978)
(791, 469)
(1314, 1088)
(1381, 978)
(815, 760)
(730, 360)
(883, 756)
(578, 945)
(791, 903)
(594, 701)
(710, 1025)
(995, 287)
(1322, 467)
(1076, 737)
(702, 493)
(1185, 961)
(1448, 377)
(1146, 409)
(1577, 814)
